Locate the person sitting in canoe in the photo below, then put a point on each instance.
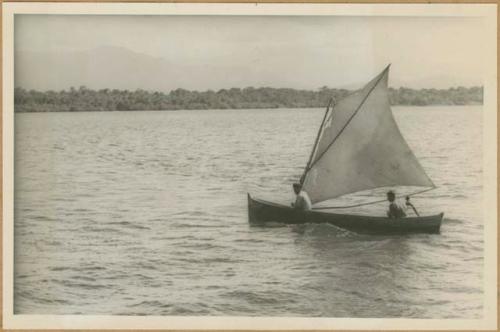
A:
(395, 210)
(302, 200)
(410, 205)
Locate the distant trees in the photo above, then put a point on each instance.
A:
(84, 99)
(422, 97)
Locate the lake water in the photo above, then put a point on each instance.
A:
(145, 213)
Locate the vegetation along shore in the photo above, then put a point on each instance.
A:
(84, 99)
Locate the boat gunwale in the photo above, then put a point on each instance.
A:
(379, 218)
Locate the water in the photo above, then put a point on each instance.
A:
(144, 213)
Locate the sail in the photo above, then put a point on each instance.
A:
(360, 147)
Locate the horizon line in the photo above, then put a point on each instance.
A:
(242, 88)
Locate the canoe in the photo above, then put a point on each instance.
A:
(260, 212)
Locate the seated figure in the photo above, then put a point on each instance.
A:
(395, 210)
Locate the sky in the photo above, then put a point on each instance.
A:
(214, 52)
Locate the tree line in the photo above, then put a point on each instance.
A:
(84, 99)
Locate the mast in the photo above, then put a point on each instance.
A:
(315, 142)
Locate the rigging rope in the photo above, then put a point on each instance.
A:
(349, 120)
(368, 203)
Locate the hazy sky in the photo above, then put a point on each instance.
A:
(224, 51)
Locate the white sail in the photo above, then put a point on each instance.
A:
(361, 148)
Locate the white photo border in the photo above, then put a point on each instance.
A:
(489, 320)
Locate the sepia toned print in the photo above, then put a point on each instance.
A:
(253, 168)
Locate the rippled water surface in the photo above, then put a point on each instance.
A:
(145, 213)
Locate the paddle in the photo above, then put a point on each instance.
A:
(408, 203)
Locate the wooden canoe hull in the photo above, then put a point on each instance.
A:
(261, 212)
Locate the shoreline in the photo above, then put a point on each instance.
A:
(223, 109)
(84, 99)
